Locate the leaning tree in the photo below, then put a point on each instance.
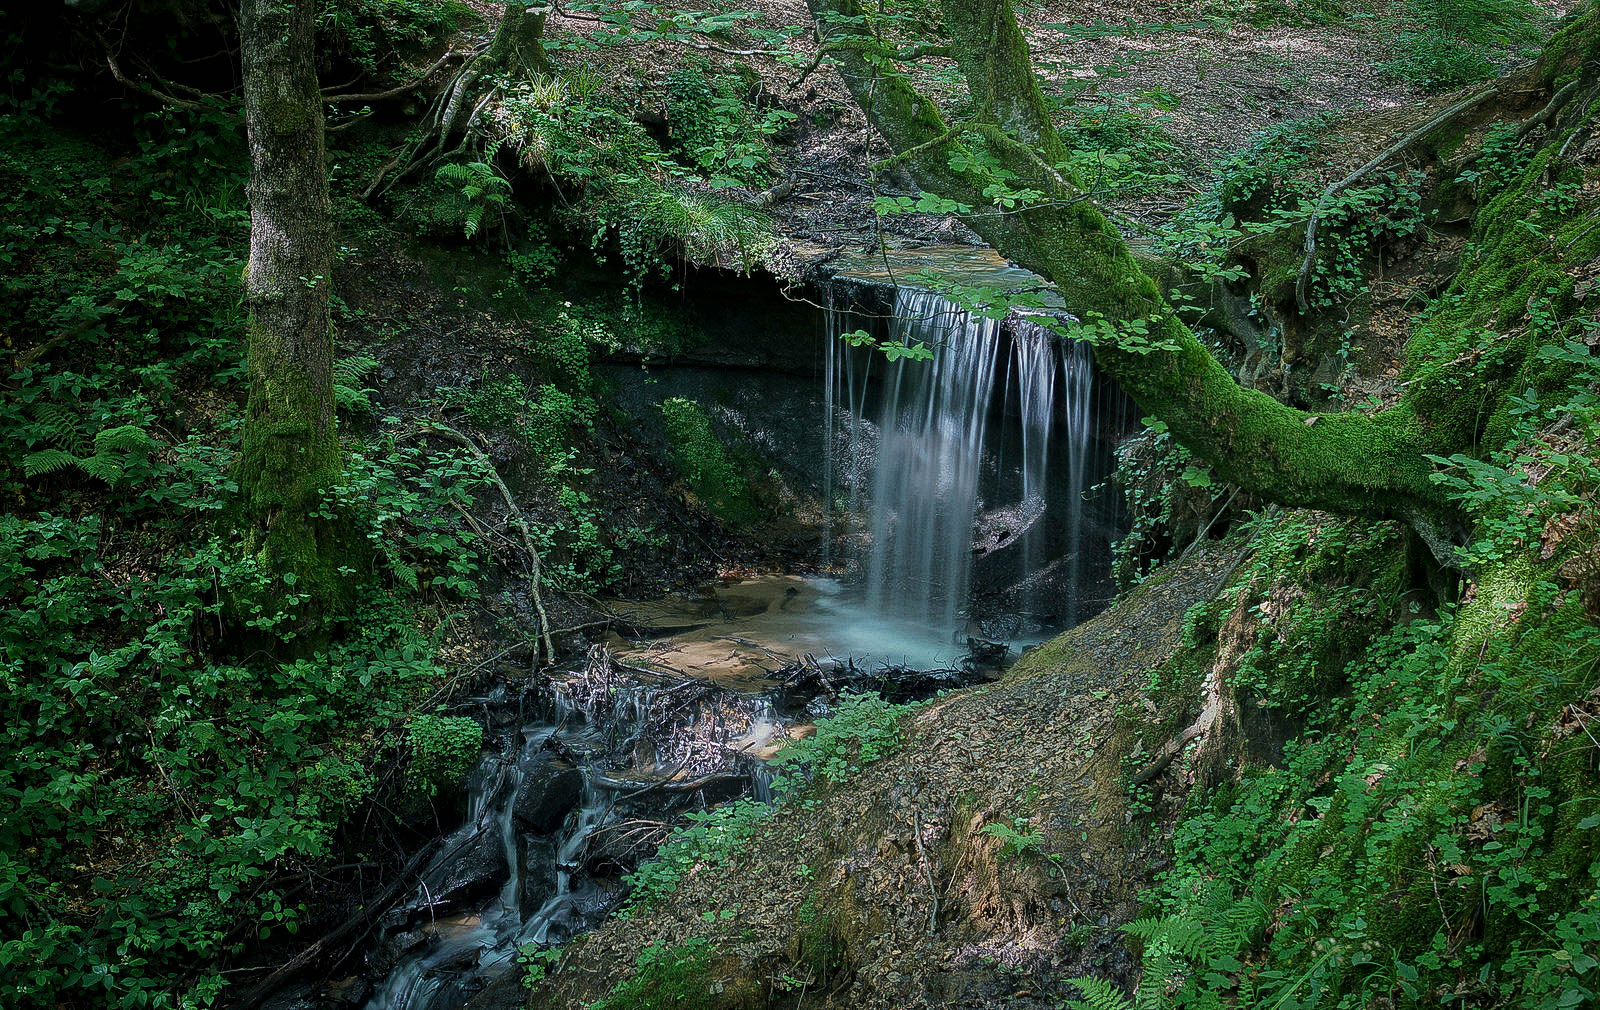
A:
(1347, 462)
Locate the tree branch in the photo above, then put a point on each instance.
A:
(400, 89)
(1345, 462)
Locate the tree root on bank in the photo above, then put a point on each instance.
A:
(1216, 697)
(517, 44)
(1303, 275)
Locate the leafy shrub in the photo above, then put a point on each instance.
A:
(865, 728)
(705, 465)
(443, 750)
(711, 838)
(714, 120)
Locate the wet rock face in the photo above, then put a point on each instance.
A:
(471, 865)
(550, 789)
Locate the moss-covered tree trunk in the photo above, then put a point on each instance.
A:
(1344, 462)
(290, 453)
(519, 39)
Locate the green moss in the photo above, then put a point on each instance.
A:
(705, 463)
(665, 977)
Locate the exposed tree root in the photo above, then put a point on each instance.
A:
(1303, 275)
(1215, 695)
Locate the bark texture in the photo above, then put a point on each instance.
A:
(290, 452)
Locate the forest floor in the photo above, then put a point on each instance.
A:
(1200, 85)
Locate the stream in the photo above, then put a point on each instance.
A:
(963, 514)
(681, 716)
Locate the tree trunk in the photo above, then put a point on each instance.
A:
(1345, 462)
(519, 39)
(290, 452)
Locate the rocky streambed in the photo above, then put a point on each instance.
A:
(588, 767)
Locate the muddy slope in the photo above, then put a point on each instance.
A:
(885, 891)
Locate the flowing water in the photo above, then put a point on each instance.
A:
(907, 453)
(923, 466)
(458, 955)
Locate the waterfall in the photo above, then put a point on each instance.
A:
(925, 489)
(1036, 375)
(918, 456)
(1077, 366)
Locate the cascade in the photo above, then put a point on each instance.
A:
(907, 465)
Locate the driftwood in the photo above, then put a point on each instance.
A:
(665, 785)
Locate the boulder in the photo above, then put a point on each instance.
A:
(550, 789)
(471, 865)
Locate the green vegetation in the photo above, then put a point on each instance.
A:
(443, 750)
(1408, 796)
(863, 729)
(664, 977)
(1447, 43)
(1016, 838)
(706, 466)
(163, 772)
(710, 839)
(252, 281)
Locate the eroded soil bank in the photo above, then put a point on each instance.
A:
(986, 861)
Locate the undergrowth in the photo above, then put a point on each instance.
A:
(168, 778)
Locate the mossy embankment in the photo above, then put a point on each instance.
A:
(1304, 763)
(887, 889)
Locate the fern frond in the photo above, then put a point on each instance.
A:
(1183, 935)
(1162, 973)
(48, 461)
(1098, 994)
(348, 373)
(60, 424)
(107, 468)
(1239, 926)
(352, 370)
(405, 574)
(125, 439)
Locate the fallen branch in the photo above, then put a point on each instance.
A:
(665, 785)
(297, 964)
(1303, 275)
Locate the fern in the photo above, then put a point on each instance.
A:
(124, 440)
(1184, 936)
(60, 425)
(1098, 994)
(114, 449)
(480, 186)
(349, 392)
(47, 461)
